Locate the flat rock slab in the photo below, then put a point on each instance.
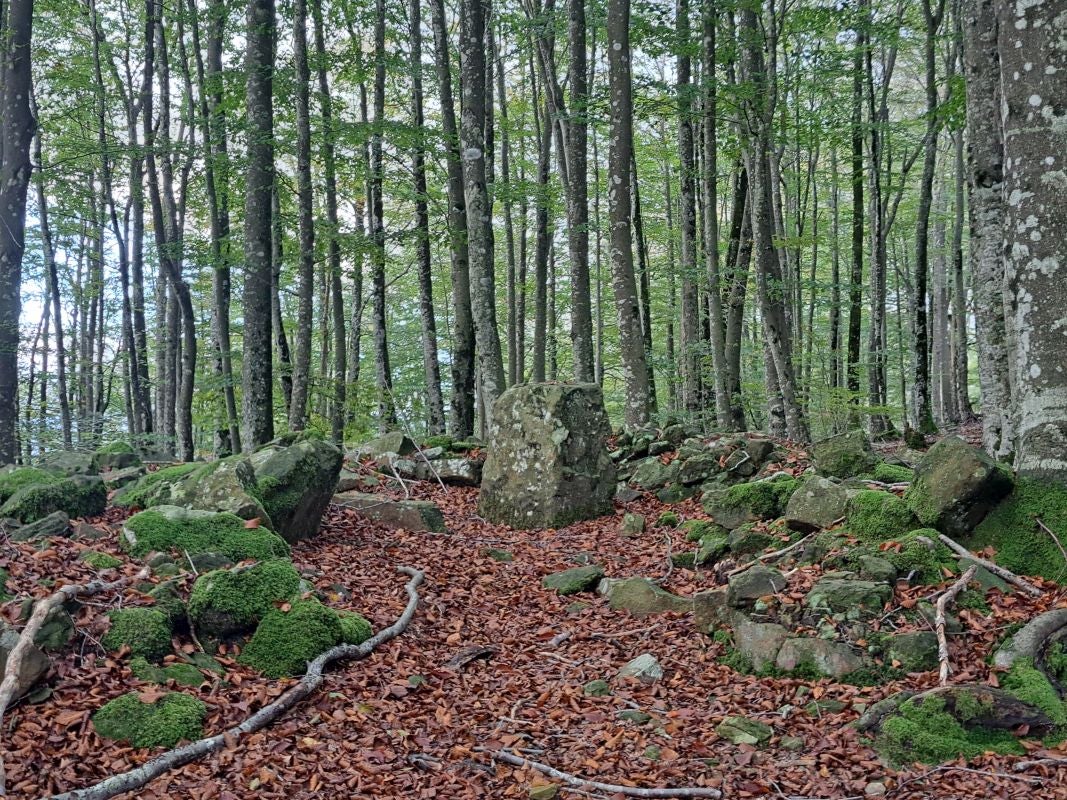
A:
(412, 515)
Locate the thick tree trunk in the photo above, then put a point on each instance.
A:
(1034, 115)
(985, 178)
(462, 406)
(257, 376)
(472, 50)
(16, 135)
(631, 346)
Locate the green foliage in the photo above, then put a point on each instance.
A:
(355, 629)
(78, 497)
(245, 595)
(1031, 686)
(442, 440)
(15, 479)
(142, 494)
(164, 723)
(179, 672)
(146, 631)
(218, 533)
(875, 516)
(286, 641)
(1012, 529)
(766, 499)
(98, 560)
(1056, 662)
(922, 730)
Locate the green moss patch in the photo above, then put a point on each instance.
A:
(355, 629)
(892, 473)
(98, 560)
(922, 730)
(875, 516)
(146, 631)
(1012, 530)
(195, 533)
(923, 562)
(15, 479)
(181, 673)
(164, 723)
(1030, 685)
(145, 492)
(79, 496)
(226, 601)
(286, 640)
(765, 499)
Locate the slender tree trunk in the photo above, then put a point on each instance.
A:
(256, 370)
(277, 260)
(739, 254)
(960, 368)
(644, 283)
(620, 86)
(462, 406)
(855, 286)
(835, 276)
(690, 306)
(541, 246)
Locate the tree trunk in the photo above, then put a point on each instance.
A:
(855, 284)
(960, 369)
(541, 245)
(1034, 115)
(689, 342)
(277, 260)
(462, 406)
(620, 85)
(644, 283)
(256, 370)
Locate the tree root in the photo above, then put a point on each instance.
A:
(996, 569)
(41, 610)
(583, 783)
(939, 620)
(138, 777)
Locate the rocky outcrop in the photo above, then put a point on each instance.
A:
(641, 597)
(548, 464)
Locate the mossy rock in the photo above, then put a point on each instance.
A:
(355, 628)
(892, 473)
(697, 529)
(55, 524)
(146, 631)
(295, 484)
(116, 455)
(163, 723)
(1012, 530)
(748, 539)
(169, 601)
(845, 455)
(575, 580)
(921, 556)
(875, 516)
(749, 502)
(100, 561)
(228, 602)
(79, 496)
(1031, 685)
(181, 673)
(13, 479)
(180, 530)
(154, 488)
(288, 638)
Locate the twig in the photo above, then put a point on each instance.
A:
(996, 569)
(192, 566)
(583, 783)
(1020, 766)
(40, 613)
(939, 619)
(136, 778)
(1055, 538)
(670, 560)
(775, 555)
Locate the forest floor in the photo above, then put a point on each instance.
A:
(403, 724)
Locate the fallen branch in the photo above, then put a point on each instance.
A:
(136, 778)
(996, 569)
(583, 783)
(775, 555)
(939, 619)
(41, 610)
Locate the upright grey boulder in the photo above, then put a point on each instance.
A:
(548, 465)
(817, 503)
(955, 486)
(845, 455)
(295, 484)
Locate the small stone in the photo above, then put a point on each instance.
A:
(634, 716)
(544, 791)
(659, 448)
(573, 581)
(597, 688)
(632, 525)
(499, 555)
(755, 582)
(742, 730)
(825, 705)
(55, 524)
(645, 668)
(915, 650)
(641, 597)
(653, 753)
(874, 789)
(624, 494)
(792, 743)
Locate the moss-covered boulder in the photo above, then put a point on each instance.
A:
(749, 502)
(755, 582)
(641, 597)
(854, 598)
(80, 496)
(915, 651)
(393, 442)
(355, 628)
(287, 638)
(168, 599)
(100, 561)
(295, 484)
(956, 484)
(875, 516)
(809, 655)
(162, 723)
(574, 580)
(180, 530)
(816, 503)
(892, 473)
(146, 631)
(548, 463)
(651, 473)
(118, 478)
(228, 602)
(919, 556)
(55, 524)
(155, 488)
(116, 455)
(1012, 529)
(742, 730)
(845, 455)
(181, 673)
(14, 478)
(68, 462)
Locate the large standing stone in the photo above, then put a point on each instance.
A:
(548, 465)
(296, 483)
(845, 455)
(817, 503)
(955, 486)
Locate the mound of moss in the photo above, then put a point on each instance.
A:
(170, 528)
(80, 496)
(225, 602)
(286, 640)
(697, 529)
(922, 556)
(98, 560)
(146, 631)
(169, 601)
(766, 499)
(1012, 530)
(152, 488)
(875, 516)
(116, 455)
(892, 473)
(355, 629)
(923, 730)
(181, 673)
(164, 723)
(13, 480)
(1031, 685)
